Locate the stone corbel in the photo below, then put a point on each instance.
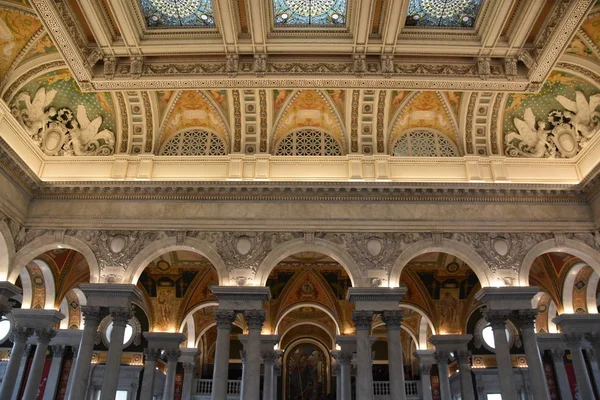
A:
(232, 64)
(355, 167)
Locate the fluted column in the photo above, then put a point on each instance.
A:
(539, 386)
(251, 374)
(466, 382)
(269, 358)
(364, 370)
(441, 358)
(425, 372)
(172, 359)
(149, 373)
(574, 342)
(19, 338)
(393, 320)
(560, 372)
(58, 353)
(81, 367)
(120, 317)
(344, 361)
(188, 380)
(37, 364)
(224, 320)
(497, 319)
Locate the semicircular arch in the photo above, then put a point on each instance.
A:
(163, 246)
(48, 242)
(7, 249)
(457, 249)
(307, 304)
(317, 246)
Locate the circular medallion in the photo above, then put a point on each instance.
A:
(118, 243)
(243, 245)
(501, 246)
(374, 246)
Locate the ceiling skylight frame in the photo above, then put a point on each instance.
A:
(277, 26)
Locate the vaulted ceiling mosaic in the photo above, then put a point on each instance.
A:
(65, 117)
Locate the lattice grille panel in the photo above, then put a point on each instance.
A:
(194, 142)
(309, 142)
(424, 144)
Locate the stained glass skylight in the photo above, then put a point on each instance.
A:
(310, 12)
(443, 13)
(178, 13)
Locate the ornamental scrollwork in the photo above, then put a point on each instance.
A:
(501, 251)
(247, 250)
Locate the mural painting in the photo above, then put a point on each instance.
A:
(578, 48)
(306, 372)
(42, 47)
(16, 29)
(591, 26)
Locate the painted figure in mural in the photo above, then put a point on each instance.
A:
(305, 373)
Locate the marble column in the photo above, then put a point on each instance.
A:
(560, 373)
(224, 320)
(425, 371)
(593, 363)
(120, 317)
(251, 374)
(172, 359)
(393, 320)
(441, 359)
(497, 319)
(37, 363)
(188, 380)
(269, 358)
(364, 370)
(58, 353)
(574, 342)
(335, 371)
(149, 373)
(74, 350)
(344, 360)
(19, 338)
(466, 381)
(81, 366)
(276, 375)
(20, 381)
(539, 386)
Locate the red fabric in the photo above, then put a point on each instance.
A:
(551, 380)
(572, 380)
(44, 380)
(61, 391)
(435, 387)
(178, 387)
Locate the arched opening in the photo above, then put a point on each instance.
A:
(410, 344)
(307, 310)
(6, 249)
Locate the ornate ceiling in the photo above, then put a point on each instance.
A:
(303, 78)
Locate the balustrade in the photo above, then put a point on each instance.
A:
(204, 386)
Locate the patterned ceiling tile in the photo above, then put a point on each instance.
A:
(178, 13)
(309, 12)
(443, 13)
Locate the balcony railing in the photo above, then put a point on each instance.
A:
(381, 390)
(204, 386)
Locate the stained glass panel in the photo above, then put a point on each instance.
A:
(178, 13)
(443, 13)
(309, 12)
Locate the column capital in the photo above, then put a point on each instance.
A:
(92, 315)
(392, 319)
(44, 336)
(496, 318)
(557, 354)
(525, 318)
(20, 334)
(573, 340)
(151, 354)
(593, 338)
(362, 319)
(172, 355)
(121, 315)
(188, 368)
(269, 356)
(463, 357)
(58, 350)
(255, 319)
(224, 318)
(425, 369)
(441, 356)
(342, 357)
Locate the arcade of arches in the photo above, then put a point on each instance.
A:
(299, 199)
